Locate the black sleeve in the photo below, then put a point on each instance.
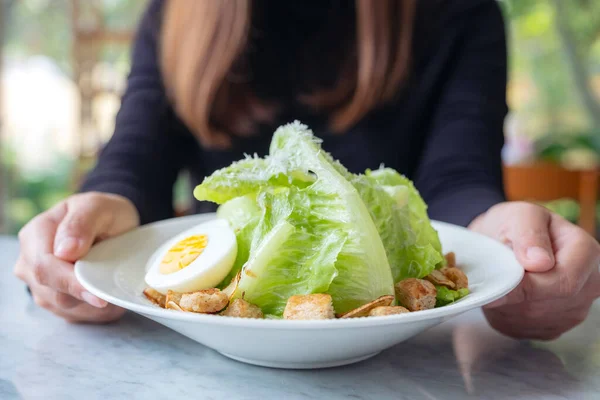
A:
(460, 172)
(142, 160)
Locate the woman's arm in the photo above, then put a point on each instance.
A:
(461, 179)
(460, 172)
(142, 160)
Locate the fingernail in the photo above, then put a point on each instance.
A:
(538, 254)
(93, 300)
(66, 247)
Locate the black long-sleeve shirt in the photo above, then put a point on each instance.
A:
(445, 131)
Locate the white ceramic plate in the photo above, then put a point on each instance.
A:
(114, 271)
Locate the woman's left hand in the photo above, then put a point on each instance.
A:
(561, 262)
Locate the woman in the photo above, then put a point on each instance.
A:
(418, 87)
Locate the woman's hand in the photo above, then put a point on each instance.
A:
(54, 240)
(561, 264)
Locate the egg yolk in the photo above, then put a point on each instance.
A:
(183, 253)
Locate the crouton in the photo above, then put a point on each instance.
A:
(364, 310)
(389, 310)
(171, 305)
(457, 276)
(450, 260)
(175, 297)
(206, 301)
(242, 309)
(309, 306)
(156, 297)
(438, 278)
(416, 294)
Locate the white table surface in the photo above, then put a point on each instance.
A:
(43, 357)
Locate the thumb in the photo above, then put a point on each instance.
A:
(530, 239)
(78, 230)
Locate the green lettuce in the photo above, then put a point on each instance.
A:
(400, 214)
(446, 296)
(243, 215)
(315, 234)
(305, 224)
(290, 254)
(249, 176)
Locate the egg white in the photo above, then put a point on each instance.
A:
(206, 271)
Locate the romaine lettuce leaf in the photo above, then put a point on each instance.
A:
(249, 176)
(400, 214)
(305, 224)
(243, 215)
(392, 181)
(289, 255)
(446, 296)
(326, 240)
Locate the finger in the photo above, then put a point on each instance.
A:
(75, 311)
(545, 319)
(41, 267)
(545, 286)
(530, 238)
(87, 314)
(577, 258)
(36, 240)
(19, 269)
(37, 237)
(548, 287)
(591, 289)
(51, 299)
(519, 329)
(516, 296)
(58, 275)
(76, 233)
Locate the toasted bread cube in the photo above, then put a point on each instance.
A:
(389, 310)
(309, 306)
(457, 276)
(240, 308)
(154, 296)
(450, 260)
(175, 297)
(438, 278)
(205, 301)
(416, 294)
(364, 310)
(171, 305)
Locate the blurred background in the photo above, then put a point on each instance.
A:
(64, 65)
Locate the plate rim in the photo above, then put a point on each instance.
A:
(451, 310)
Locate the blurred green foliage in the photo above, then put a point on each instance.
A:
(38, 27)
(31, 194)
(567, 208)
(44, 27)
(554, 48)
(554, 147)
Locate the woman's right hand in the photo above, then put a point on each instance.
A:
(55, 239)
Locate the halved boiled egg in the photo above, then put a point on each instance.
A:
(199, 258)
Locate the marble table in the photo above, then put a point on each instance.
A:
(43, 357)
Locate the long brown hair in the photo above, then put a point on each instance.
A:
(202, 40)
